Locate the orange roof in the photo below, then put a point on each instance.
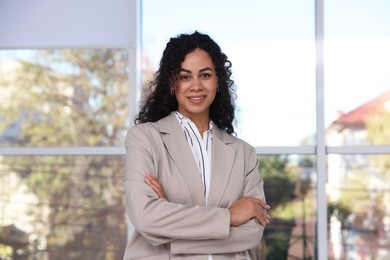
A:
(358, 116)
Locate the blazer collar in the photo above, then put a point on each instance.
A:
(221, 166)
(169, 124)
(180, 152)
(222, 159)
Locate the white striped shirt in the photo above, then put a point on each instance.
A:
(201, 150)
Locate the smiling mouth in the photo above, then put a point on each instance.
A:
(197, 98)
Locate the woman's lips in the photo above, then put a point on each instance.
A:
(197, 99)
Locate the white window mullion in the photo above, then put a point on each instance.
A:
(322, 225)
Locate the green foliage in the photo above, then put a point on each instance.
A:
(5, 252)
(378, 128)
(340, 210)
(280, 180)
(285, 192)
(277, 245)
(69, 97)
(294, 209)
(72, 98)
(356, 200)
(378, 133)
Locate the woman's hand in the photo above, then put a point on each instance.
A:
(156, 186)
(246, 208)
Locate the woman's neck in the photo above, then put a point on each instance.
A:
(202, 122)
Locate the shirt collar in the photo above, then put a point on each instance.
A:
(182, 119)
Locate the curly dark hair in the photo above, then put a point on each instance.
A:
(159, 101)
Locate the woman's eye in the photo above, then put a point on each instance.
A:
(185, 77)
(205, 75)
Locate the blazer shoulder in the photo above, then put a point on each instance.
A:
(143, 131)
(236, 142)
(143, 127)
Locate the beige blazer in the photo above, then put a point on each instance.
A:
(182, 227)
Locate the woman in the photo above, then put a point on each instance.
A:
(193, 190)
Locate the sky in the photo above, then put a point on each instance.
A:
(272, 47)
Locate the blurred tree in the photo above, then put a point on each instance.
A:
(283, 187)
(378, 133)
(72, 98)
(364, 197)
(277, 176)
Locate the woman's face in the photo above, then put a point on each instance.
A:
(196, 85)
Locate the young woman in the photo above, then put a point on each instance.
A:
(193, 189)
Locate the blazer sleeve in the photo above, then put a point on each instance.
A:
(241, 238)
(158, 220)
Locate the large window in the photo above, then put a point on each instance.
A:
(313, 99)
(63, 207)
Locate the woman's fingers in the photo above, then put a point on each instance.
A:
(262, 215)
(246, 208)
(261, 203)
(264, 205)
(156, 186)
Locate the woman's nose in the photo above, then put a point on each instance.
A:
(196, 84)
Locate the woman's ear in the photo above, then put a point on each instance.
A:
(173, 88)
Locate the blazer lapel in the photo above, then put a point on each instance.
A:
(177, 146)
(221, 168)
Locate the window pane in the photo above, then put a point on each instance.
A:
(62, 207)
(271, 47)
(357, 78)
(290, 188)
(359, 206)
(63, 97)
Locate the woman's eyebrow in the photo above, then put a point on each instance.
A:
(185, 70)
(204, 69)
(201, 70)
